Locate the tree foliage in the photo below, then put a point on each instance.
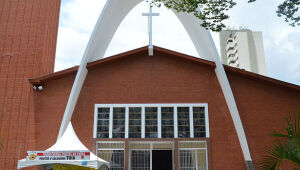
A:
(213, 12)
(286, 146)
(289, 9)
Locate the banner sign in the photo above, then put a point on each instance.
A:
(57, 155)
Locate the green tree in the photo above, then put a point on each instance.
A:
(289, 10)
(213, 12)
(286, 146)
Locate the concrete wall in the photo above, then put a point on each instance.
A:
(250, 50)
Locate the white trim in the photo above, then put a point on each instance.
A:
(196, 156)
(159, 127)
(201, 141)
(110, 121)
(150, 157)
(143, 123)
(191, 112)
(121, 142)
(175, 123)
(159, 122)
(154, 105)
(95, 122)
(206, 158)
(126, 122)
(206, 121)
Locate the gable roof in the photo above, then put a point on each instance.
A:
(144, 50)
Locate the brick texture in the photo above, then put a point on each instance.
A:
(163, 78)
(140, 79)
(28, 33)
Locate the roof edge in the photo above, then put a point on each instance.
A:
(42, 79)
(142, 50)
(263, 78)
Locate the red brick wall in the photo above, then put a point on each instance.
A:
(166, 79)
(142, 79)
(263, 108)
(28, 33)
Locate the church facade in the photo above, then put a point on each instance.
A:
(134, 110)
(163, 111)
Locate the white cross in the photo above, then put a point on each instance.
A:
(149, 15)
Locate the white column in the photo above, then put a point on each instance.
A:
(110, 121)
(126, 122)
(159, 122)
(95, 121)
(206, 121)
(191, 122)
(175, 123)
(143, 122)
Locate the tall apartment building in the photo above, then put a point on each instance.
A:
(28, 33)
(243, 49)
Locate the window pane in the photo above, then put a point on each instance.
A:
(114, 157)
(199, 122)
(103, 123)
(167, 122)
(118, 122)
(183, 122)
(187, 160)
(151, 122)
(140, 160)
(135, 122)
(192, 155)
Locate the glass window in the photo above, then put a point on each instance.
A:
(199, 122)
(112, 153)
(111, 121)
(118, 122)
(192, 155)
(167, 122)
(187, 160)
(140, 160)
(151, 122)
(135, 122)
(183, 115)
(103, 123)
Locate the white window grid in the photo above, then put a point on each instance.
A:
(159, 106)
(113, 149)
(186, 165)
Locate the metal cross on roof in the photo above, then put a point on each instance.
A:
(149, 15)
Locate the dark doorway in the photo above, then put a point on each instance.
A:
(162, 160)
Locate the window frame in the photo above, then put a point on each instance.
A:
(159, 106)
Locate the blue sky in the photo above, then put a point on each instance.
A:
(78, 17)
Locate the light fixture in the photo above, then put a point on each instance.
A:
(40, 88)
(34, 87)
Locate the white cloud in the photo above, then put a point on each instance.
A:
(78, 18)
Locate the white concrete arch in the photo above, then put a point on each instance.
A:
(111, 16)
